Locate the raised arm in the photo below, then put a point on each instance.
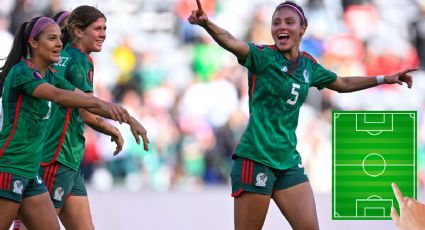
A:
(222, 37)
(351, 84)
(77, 99)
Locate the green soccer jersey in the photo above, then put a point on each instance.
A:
(65, 140)
(277, 90)
(24, 118)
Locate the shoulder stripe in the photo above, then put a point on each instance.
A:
(15, 124)
(62, 138)
(307, 55)
(274, 47)
(53, 70)
(31, 65)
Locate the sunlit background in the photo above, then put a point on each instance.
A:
(191, 96)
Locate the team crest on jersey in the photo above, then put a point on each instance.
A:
(284, 69)
(18, 186)
(36, 75)
(58, 194)
(90, 77)
(261, 180)
(259, 46)
(306, 76)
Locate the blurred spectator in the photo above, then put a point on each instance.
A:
(418, 33)
(6, 39)
(22, 12)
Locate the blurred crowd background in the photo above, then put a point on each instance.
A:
(191, 95)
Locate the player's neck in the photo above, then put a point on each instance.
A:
(80, 47)
(292, 55)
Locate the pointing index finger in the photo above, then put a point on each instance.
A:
(198, 2)
(397, 193)
(408, 70)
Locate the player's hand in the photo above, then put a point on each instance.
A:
(137, 130)
(116, 112)
(412, 213)
(198, 17)
(401, 77)
(117, 138)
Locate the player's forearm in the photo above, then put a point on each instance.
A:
(66, 98)
(226, 40)
(351, 84)
(97, 123)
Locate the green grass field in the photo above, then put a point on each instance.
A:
(369, 151)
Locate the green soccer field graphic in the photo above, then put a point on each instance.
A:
(369, 151)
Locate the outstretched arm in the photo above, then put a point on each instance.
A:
(78, 99)
(351, 84)
(239, 48)
(98, 124)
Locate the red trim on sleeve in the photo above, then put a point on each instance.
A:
(15, 123)
(61, 139)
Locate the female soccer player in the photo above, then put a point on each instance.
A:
(29, 84)
(266, 162)
(65, 142)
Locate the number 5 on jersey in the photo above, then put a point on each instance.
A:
(294, 92)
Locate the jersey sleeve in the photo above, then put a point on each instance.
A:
(80, 77)
(27, 81)
(322, 76)
(63, 84)
(256, 57)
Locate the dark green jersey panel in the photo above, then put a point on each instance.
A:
(65, 140)
(24, 118)
(277, 89)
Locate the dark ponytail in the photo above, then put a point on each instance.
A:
(19, 49)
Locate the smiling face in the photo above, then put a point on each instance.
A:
(91, 38)
(47, 47)
(287, 29)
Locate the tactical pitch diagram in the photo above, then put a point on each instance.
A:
(371, 149)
